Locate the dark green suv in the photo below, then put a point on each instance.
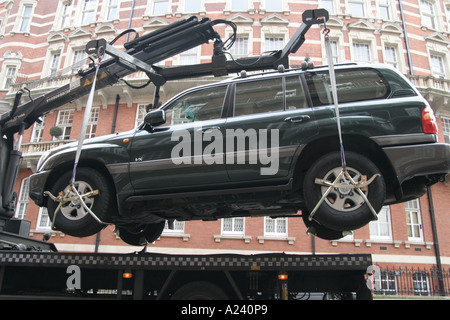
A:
(253, 146)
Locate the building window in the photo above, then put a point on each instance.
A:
(239, 5)
(38, 131)
(91, 128)
(274, 5)
(388, 283)
(10, 77)
(44, 222)
(335, 51)
(361, 52)
(413, 220)
(65, 118)
(384, 10)
(240, 47)
(26, 18)
(160, 8)
(54, 64)
(329, 6)
(78, 60)
(381, 228)
(275, 227)
(274, 43)
(192, 5)
(141, 112)
(391, 56)
(356, 8)
(189, 57)
(89, 10)
(22, 202)
(233, 226)
(65, 16)
(428, 14)
(113, 9)
(421, 285)
(438, 66)
(446, 129)
(178, 228)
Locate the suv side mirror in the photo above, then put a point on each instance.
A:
(155, 118)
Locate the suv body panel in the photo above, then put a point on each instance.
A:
(387, 130)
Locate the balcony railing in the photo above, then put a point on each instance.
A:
(430, 82)
(36, 149)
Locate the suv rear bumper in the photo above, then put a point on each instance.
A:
(419, 160)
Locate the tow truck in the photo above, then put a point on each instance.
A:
(31, 268)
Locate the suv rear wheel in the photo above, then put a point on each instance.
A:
(343, 209)
(72, 218)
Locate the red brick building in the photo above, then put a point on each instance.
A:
(41, 47)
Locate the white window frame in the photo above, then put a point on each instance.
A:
(362, 3)
(112, 10)
(441, 59)
(330, 6)
(10, 76)
(141, 112)
(420, 280)
(177, 230)
(22, 200)
(55, 62)
(356, 54)
(92, 124)
(233, 231)
(386, 5)
(387, 59)
(153, 4)
(25, 20)
(281, 9)
(446, 128)
(44, 222)
(38, 130)
(383, 222)
(241, 47)
(65, 15)
(185, 8)
(274, 42)
(424, 5)
(88, 12)
(276, 222)
(412, 208)
(64, 125)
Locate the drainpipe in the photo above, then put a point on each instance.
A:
(113, 127)
(405, 33)
(436, 243)
(131, 18)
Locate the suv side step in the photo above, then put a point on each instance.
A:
(203, 193)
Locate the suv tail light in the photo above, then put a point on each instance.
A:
(429, 123)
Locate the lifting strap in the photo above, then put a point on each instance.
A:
(71, 193)
(344, 173)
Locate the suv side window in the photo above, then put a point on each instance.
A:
(352, 85)
(295, 97)
(200, 105)
(259, 96)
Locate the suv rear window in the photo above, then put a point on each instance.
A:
(352, 85)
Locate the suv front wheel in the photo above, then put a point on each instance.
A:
(72, 218)
(344, 209)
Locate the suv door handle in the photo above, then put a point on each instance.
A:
(209, 129)
(298, 119)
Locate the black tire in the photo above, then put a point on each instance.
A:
(200, 290)
(141, 235)
(318, 230)
(343, 210)
(72, 218)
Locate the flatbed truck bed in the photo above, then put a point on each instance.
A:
(150, 276)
